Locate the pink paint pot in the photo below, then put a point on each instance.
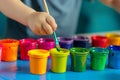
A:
(46, 43)
(25, 46)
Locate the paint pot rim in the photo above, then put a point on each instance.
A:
(9, 42)
(79, 51)
(54, 52)
(49, 41)
(80, 38)
(99, 51)
(38, 53)
(65, 40)
(99, 38)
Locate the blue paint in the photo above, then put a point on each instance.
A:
(114, 57)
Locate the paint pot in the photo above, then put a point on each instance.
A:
(112, 34)
(25, 45)
(114, 57)
(9, 49)
(81, 41)
(66, 43)
(113, 39)
(79, 59)
(59, 60)
(99, 41)
(38, 61)
(98, 58)
(0, 52)
(46, 43)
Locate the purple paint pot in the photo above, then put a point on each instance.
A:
(45, 43)
(81, 41)
(114, 57)
(25, 46)
(65, 42)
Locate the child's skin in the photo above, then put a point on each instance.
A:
(113, 3)
(40, 23)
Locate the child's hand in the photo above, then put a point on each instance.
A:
(113, 3)
(41, 23)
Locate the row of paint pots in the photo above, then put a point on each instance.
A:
(10, 46)
(38, 59)
(98, 55)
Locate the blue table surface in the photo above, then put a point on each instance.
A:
(19, 70)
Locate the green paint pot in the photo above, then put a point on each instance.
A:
(78, 59)
(59, 60)
(98, 58)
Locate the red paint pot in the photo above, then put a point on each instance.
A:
(99, 41)
(25, 46)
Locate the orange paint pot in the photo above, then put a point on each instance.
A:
(9, 49)
(38, 61)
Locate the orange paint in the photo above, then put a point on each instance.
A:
(38, 61)
(9, 49)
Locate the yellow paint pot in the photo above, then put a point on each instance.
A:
(38, 60)
(59, 60)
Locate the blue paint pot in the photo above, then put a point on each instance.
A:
(81, 41)
(65, 42)
(114, 57)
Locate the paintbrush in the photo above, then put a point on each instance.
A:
(54, 34)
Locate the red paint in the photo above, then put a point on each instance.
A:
(99, 41)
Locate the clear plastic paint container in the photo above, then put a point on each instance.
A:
(25, 45)
(81, 41)
(59, 60)
(99, 41)
(98, 58)
(46, 43)
(114, 57)
(66, 43)
(78, 59)
(9, 49)
(38, 61)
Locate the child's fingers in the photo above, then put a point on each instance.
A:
(50, 20)
(47, 28)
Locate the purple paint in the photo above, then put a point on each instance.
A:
(65, 42)
(81, 41)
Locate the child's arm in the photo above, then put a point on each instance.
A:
(40, 23)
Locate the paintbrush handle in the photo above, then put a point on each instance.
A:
(55, 38)
(54, 34)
